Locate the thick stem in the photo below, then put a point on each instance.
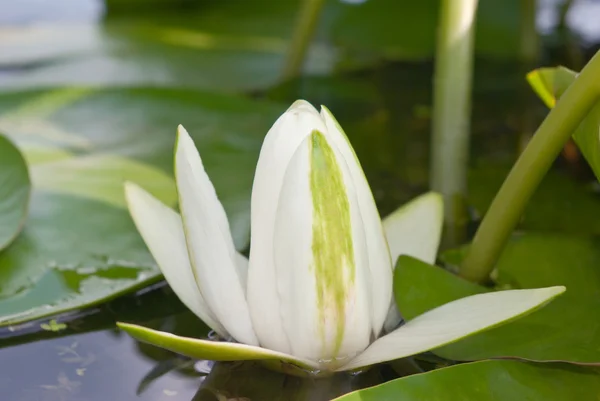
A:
(452, 110)
(302, 37)
(527, 173)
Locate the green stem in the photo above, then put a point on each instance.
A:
(571, 43)
(529, 35)
(452, 110)
(527, 173)
(304, 30)
(530, 53)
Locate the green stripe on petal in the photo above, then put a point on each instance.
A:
(333, 254)
(379, 262)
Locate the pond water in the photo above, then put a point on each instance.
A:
(385, 111)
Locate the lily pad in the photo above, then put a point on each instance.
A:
(560, 204)
(489, 381)
(15, 188)
(565, 330)
(79, 246)
(550, 84)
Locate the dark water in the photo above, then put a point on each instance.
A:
(386, 114)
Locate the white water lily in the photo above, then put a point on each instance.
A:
(317, 288)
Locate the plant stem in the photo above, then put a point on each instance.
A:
(569, 38)
(452, 110)
(529, 36)
(529, 54)
(527, 173)
(303, 35)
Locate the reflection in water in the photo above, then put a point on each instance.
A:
(251, 381)
(43, 11)
(97, 366)
(109, 365)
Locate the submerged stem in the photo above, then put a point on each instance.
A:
(527, 173)
(303, 35)
(452, 110)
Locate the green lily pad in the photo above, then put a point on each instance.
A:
(79, 246)
(15, 188)
(561, 203)
(489, 380)
(565, 330)
(550, 84)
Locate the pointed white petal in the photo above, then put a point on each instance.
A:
(210, 246)
(380, 263)
(415, 230)
(279, 145)
(452, 322)
(161, 229)
(321, 260)
(211, 350)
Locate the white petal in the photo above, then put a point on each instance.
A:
(380, 263)
(452, 322)
(321, 260)
(241, 264)
(210, 246)
(415, 230)
(161, 229)
(213, 350)
(279, 145)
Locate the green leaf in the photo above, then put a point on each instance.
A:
(80, 246)
(101, 177)
(565, 330)
(576, 203)
(489, 381)
(550, 84)
(15, 189)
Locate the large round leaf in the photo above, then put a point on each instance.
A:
(14, 192)
(489, 381)
(80, 246)
(566, 330)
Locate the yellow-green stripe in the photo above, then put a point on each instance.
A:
(332, 247)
